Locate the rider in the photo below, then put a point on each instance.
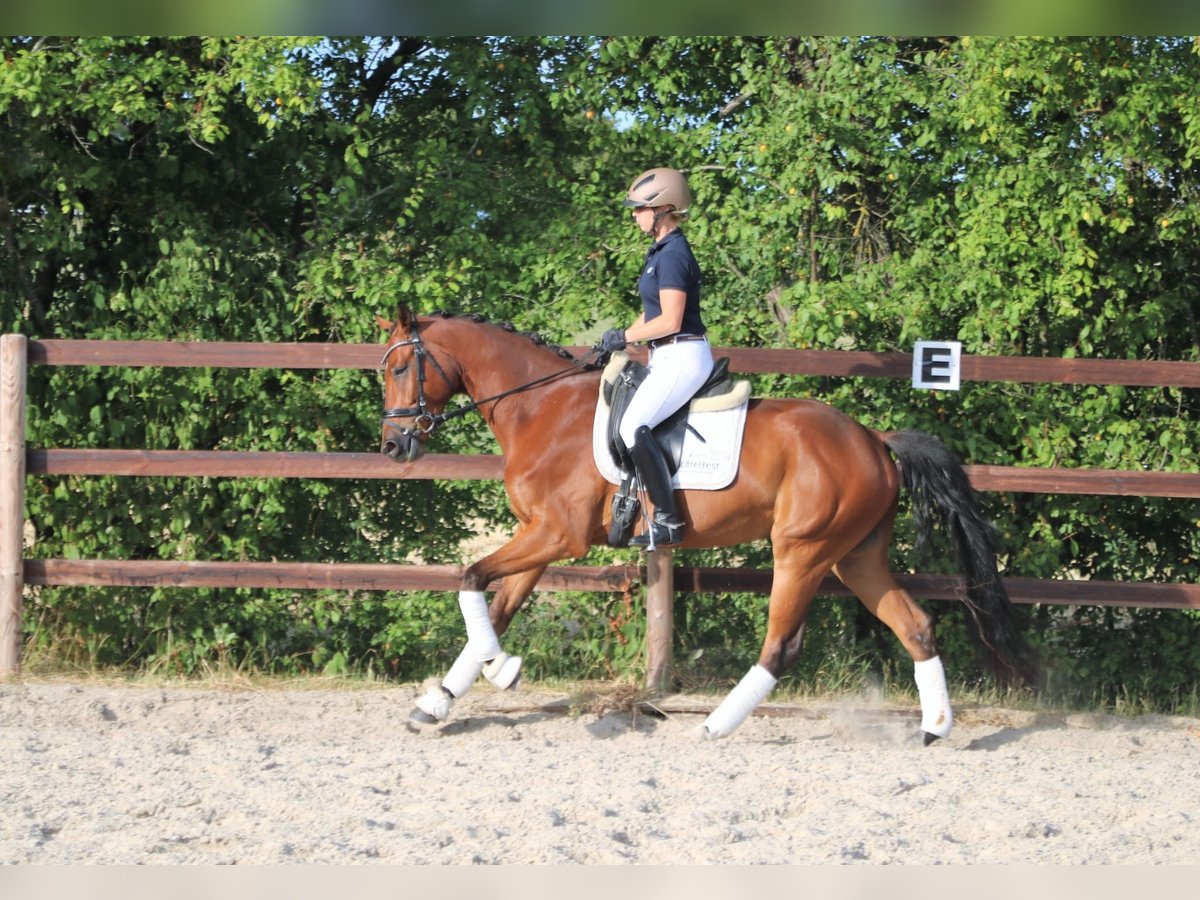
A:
(670, 323)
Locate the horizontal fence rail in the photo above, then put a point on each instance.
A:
(263, 464)
(749, 360)
(468, 467)
(303, 576)
(686, 579)
(659, 576)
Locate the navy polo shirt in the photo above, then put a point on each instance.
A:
(670, 264)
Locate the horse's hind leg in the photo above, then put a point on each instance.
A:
(865, 571)
(793, 585)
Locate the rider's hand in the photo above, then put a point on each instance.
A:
(613, 339)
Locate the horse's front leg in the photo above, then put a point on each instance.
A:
(482, 654)
(520, 563)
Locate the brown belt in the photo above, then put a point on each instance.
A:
(674, 339)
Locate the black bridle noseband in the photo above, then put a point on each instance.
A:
(425, 420)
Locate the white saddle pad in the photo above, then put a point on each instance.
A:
(709, 463)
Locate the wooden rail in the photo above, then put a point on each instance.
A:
(685, 579)
(1037, 370)
(660, 576)
(303, 576)
(469, 467)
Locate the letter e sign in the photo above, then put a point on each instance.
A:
(936, 365)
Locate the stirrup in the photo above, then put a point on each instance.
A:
(503, 671)
(659, 534)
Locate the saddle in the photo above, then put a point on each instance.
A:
(621, 378)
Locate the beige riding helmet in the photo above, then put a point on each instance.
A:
(660, 187)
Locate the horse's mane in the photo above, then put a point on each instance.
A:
(531, 336)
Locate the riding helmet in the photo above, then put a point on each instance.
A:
(660, 187)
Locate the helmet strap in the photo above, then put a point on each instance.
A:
(665, 211)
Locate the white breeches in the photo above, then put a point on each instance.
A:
(676, 372)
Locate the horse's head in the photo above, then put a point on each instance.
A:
(416, 388)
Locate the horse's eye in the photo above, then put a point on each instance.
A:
(399, 370)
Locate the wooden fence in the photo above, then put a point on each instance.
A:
(656, 571)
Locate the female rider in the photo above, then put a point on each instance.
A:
(670, 323)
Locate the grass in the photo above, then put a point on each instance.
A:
(836, 681)
(601, 698)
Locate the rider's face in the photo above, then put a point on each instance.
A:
(644, 217)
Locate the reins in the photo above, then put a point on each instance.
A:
(425, 421)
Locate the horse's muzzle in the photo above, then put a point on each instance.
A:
(402, 446)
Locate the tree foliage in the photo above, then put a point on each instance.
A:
(1025, 196)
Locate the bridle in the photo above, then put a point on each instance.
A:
(425, 420)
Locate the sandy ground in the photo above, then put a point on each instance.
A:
(93, 773)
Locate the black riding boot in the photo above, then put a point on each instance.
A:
(666, 525)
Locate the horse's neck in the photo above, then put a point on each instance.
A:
(489, 369)
(492, 367)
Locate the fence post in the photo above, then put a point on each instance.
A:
(13, 355)
(660, 611)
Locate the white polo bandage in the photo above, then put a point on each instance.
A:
(503, 671)
(463, 673)
(741, 701)
(481, 636)
(936, 716)
(437, 703)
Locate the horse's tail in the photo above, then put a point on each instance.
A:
(938, 485)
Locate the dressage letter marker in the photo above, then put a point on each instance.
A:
(936, 365)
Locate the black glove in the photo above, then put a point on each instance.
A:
(613, 339)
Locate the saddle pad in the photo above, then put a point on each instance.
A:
(707, 465)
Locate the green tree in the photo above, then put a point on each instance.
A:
(1027, 196)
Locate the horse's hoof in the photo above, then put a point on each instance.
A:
(930, 737)
(701, 733)
(504, 671)
(432, 707)
(421, 719)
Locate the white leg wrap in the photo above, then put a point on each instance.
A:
(747, 694)
(463, 673)
(481, 636)
(497, 666)
(436, 702)
(503, 671)
(936, 717)
(439, 701)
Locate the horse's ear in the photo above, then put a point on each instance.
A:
(404, 318)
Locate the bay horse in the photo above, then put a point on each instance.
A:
(822, 487)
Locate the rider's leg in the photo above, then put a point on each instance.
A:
(666, 528)
(676, 371)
